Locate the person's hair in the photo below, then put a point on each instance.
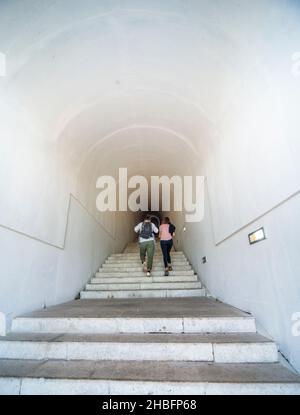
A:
(166, 221)
(147, 217)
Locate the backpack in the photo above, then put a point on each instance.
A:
(172, 228)
(146, 232)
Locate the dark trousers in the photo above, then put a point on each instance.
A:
(166, 247)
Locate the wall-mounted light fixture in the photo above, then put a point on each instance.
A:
(257, 236)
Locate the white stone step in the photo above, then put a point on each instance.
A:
(144, 286)
(139, 264)
(160, 269)
(143, 293)
(140, 273)
(159, 265)
(168, 315)
(138, 261)
(157, 254)
(136, 254)
(229, 348)
(143, 278)
(137, 258)
(140, 268)
(61, 377)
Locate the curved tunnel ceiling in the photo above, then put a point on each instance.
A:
(169, 66)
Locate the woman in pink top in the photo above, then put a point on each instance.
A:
(166, 233)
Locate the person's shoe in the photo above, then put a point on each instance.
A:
(170, 268)
(144, 266)
(148, 273)
(166, 272)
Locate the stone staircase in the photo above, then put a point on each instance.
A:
(169, 344)
(122, 276)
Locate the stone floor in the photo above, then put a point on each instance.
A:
(137, 338)
(140, 308)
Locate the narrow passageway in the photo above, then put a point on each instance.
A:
(99, 100)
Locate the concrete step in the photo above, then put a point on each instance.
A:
(228, 348)
(143, 293)
(155, 315)
(129, 261)
(148, 285)
(159, 265)
(142, 278)
(139, 264)
(62, 377)
(136, 254)
(124, 273)
(137, 258)
(140, 268)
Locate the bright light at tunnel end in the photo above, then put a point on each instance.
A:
(187, 195)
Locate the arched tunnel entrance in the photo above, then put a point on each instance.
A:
(161, 89)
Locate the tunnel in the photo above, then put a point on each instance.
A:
(161, 88)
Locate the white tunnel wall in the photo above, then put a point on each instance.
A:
(35, 274)
(193, 87)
